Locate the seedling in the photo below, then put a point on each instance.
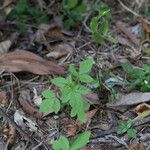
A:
(99, 24)
(78, 142)
(72, 88)
(23, 13)
(139, 77)
(73, 12)
(126, 127)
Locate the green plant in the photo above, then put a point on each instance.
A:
(72, 88)
(23, 13)
(73, 12)
(99, 24)
(78, 142)
(126, 127)
(140, 77)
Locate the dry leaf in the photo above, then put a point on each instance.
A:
(26, 61)
(36, 99)
(5, 45)
(131, 99)
(28, 107)
(141, 108)
(136, 147)
(61, 50)
(146, 28)
(3, 98)
(91, 98)
(23, 121)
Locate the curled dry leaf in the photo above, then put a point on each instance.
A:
(131, 99)
(21, 120)
(61, 50)
(5, 45)
(27, 61)
(141, 108)
(28, 107)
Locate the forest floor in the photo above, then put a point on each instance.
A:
(41, 39)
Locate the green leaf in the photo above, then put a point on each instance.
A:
(56, 106)
(46, 105)
(132, 133)
(81, 89)
(105, 27)
(22, 26)
(72, 70)
(124, 126)
(146, 68)
(85, 78)
(78, 107)
(71, 3)
(98, 38)
(60, 82)
(94, 25)
(86, 66)
(21, 6)
(61, 144)
(80, 141)
(66, 95)
(48, 94)
(81, 9)
(127, 67)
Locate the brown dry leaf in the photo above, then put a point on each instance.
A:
(141, 108)
(71, 127)
(146, 28)
(27, 106)
(131, 99)
(47, 33)
(3, 98)
(130, 35)
(61, 50)
(27, 61)
(136, 147)
(10, 133)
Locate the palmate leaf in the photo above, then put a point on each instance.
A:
(78, 107)
(86, 66)
(80, 141)
(60, 82)
(61, 144)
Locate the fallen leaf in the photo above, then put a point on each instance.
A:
(131, 99)
(5, 45)
(141, 108)
(36, 99)
(3, 98)
(146, 28)
(23, 121)
(137, 147)
(61, 50)
(27, 106)
(91, 98)
(27, 61)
